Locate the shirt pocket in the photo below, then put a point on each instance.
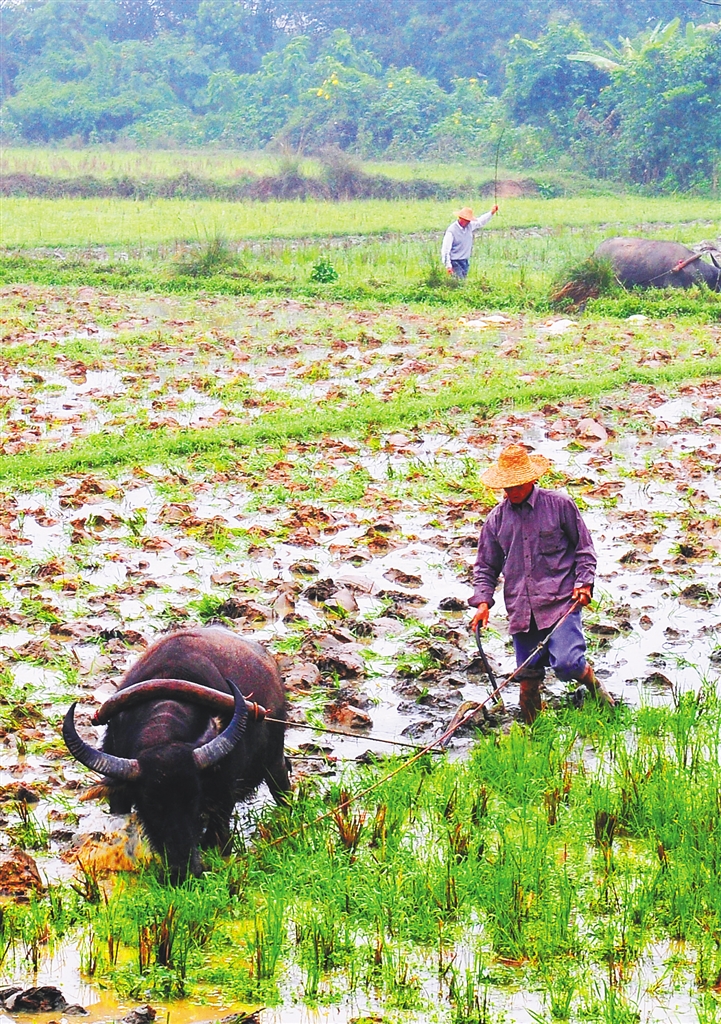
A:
(551, 543)
(552, 554)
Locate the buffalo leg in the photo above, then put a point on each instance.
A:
(217, 832)
(278, 781)
(120, 801)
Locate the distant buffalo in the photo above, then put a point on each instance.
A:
(185, 741)
(647, 263)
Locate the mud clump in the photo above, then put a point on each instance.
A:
(41, 999)
(19, 876)
(140, 1015)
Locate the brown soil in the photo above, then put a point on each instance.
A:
(511, 188)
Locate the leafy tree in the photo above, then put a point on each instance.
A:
(92, 94)
(663, 104)
(241, 33)
(544, 87)
(668, 101)
(446, 39)
(398, 77)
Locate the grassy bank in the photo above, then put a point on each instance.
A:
(228, 165)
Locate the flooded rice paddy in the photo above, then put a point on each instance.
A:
(348, 555)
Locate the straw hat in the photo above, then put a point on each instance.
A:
(515, 467)
(466, 213)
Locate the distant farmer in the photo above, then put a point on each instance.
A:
(540, 543)
(458, 240)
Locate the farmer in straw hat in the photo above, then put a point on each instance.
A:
(458, 240)
(540, 543)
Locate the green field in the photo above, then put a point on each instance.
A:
(220, 165)
(82, 222)
(379, 251)
(196, 427)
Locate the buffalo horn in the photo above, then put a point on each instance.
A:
(123, 768)
(218, 748)
(157, 689)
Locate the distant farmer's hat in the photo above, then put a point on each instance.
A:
(515, 467)
(466, 213)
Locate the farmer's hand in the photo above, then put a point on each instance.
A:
(480, 618)
(494, 209)
(582, 595)
(449, 270)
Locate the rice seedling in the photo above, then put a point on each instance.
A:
(454, 856)
(83, 222)
(27, 832)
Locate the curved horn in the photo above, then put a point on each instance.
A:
(123, 768)
(172, 689)
(157, 689)
(214, 751)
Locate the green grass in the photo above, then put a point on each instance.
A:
(113, 222)
(137, 446)
(102, 162)
(377, 274)
(561, 859)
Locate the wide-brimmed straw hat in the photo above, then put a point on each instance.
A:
(466, 213)
(515, 467)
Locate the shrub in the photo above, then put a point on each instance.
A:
(323, 271)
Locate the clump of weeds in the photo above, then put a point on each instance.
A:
(583, 281)
(436, 276)
(207, 259)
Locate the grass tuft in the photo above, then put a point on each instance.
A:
(587, 280)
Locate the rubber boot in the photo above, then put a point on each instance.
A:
(530, 701)
(595, 686)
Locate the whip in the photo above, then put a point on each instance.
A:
(473, 711)
(486, 664)
(495, 177)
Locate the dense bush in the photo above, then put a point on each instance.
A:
(240, 74)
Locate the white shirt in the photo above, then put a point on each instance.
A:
(458, 241)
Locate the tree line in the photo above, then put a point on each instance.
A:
(629, 89)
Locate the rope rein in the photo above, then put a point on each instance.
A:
(676, 269)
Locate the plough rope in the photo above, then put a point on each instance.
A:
(341, 732)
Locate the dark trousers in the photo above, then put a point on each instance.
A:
(565, 653)
(460, 267)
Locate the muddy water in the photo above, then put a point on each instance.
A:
(651, 638)
(657, 641)
(131, 566)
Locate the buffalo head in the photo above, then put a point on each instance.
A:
(165, 780)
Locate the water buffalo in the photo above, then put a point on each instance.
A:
(166, 752)
(648, 263)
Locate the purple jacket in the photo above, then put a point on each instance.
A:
(544, 550)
